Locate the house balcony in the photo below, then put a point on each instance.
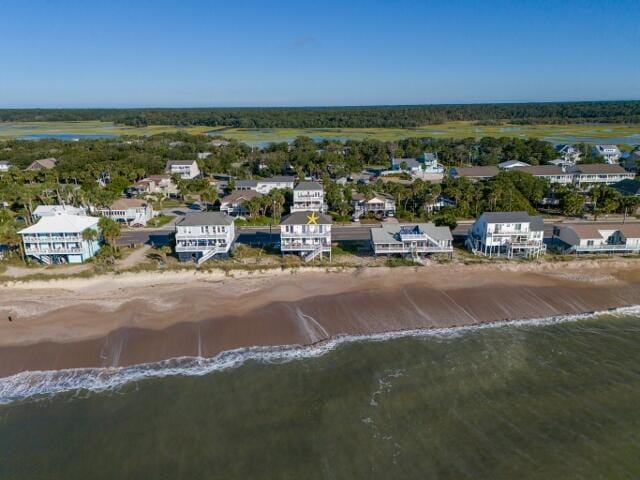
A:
(298, 246)
(381, 249)
(200, 247)
(202, 236)
(51, 238)
(287, 236)
(55, 250)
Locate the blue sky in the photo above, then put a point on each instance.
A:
(112, 53)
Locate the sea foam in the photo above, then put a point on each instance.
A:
(36, 385)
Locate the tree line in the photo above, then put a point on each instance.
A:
(406, 116)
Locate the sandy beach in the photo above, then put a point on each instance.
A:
(117, 320)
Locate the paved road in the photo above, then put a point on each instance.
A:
(262, 235)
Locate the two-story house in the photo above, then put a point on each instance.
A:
(509, 234)
(610, 153)
(307, 234)
(60, 238)
(570, 154)
(308, 197)
(586, 176)
(413, 240)
(265, 185)
(201, 236)
(131, 211)
(154, 184)
(186, 169)
(235, 204)
(376, 203)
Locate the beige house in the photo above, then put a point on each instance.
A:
(131, 211)
(597, 238)
(44, 164)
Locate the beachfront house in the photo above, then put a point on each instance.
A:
(610, 153)
(234, 204)
(570, 154)
(265, 185)
(51, 210)
(43, 164)
(509, 234)
(411, 240)
(597, 238)
(308, 197)
(130, 211)
(185, 169)
(4, 166)
(307, 234)
(154, 184)
(474, 173)
(201, 236)
(59, 239)
(379, 204)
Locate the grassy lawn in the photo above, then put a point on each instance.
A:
(610, 133)
(160, 220)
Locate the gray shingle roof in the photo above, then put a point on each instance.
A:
(205, 218)
(308, 186)
(537, 223)
(302, 218)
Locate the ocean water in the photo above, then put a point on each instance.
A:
(544, 399)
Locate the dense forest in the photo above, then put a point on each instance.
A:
(344, 117)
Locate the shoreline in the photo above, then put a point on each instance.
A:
(131, 319)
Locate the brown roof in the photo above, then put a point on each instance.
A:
(485, 171)
(240, 195)
(542, 170)
(125, 203)
(592, 230)
(46, 163)
(595, 168)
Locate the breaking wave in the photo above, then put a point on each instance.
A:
(41, 384)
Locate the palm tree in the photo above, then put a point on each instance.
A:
(90, 235)
(110, 231)
(209, 197)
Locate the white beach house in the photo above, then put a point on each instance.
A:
(307, 234)
(186, 169)
(597, 238)
(509, 234)
(201, 236)
(415, 240)
(308, 197)
(265, 185)
(59, 239)
(131, 211)
(569, 154)
(610, 153)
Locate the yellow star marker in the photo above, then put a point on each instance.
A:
(312, 219)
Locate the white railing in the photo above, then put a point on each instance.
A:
(302, 236)
(199, 248)
(413, 237)
(209, 254)
(314, 253)
(50, 251)
(610, 248)
(202, 236)
(51, 238)
(409, 249)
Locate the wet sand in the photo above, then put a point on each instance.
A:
(121, 320)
